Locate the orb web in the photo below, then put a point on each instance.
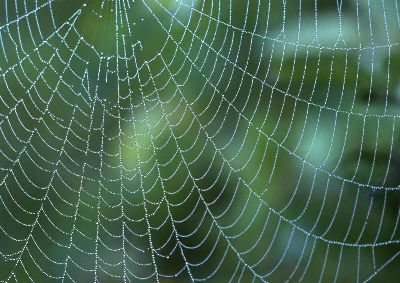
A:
(201, 140)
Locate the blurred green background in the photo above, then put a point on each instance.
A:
(199, 140)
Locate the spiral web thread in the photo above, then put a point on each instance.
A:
(236, 148)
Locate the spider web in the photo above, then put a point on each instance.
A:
(199, 140)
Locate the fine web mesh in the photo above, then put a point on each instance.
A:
(216, 140)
